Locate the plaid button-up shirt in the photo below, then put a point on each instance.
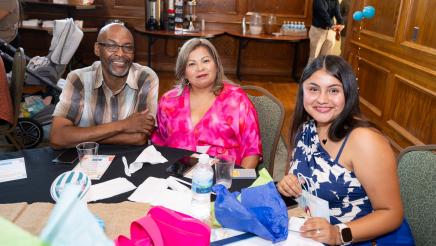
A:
(87, 101)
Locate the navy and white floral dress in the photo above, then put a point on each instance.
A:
(340, 187)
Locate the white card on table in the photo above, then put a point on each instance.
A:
(103, 163)
(12, 169)
(244, 174)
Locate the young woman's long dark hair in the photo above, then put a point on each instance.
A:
(350, 117)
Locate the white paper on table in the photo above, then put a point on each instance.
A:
(151, 155)
(108, 189)
(295, 223)
(12, 169)
(155, 191)
(103, 164)
(294, 239)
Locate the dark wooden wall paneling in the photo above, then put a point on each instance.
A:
(397, 75)
(259, 58)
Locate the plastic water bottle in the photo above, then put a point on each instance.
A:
(202, 179)
(178, 20)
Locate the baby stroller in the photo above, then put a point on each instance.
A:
(44, 71)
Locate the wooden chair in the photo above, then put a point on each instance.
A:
(271, 114)
(417, 173)
(16, 90)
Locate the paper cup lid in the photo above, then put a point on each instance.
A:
(70, 177)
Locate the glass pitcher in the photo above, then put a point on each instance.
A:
(256, 24)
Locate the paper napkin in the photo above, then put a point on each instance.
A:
(155, 192)
(108, 189)
(151, 155)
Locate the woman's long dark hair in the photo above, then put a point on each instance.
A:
(350, 117)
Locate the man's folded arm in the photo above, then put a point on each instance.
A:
(65, 134)
(127, 138)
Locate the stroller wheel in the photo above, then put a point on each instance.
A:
(29, 132)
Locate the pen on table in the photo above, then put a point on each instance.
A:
(187, 183)
(307, 210)
(182, 181)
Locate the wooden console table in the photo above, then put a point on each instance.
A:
(152, 36)
(243, 40)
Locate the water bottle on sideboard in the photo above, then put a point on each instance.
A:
(178, 7)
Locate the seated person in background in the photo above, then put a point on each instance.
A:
(114, 101)
(348, 162)
(206, 111)
(9, 20)
(6, 110)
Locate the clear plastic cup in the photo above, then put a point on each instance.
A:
(224, 170)
(88, 158)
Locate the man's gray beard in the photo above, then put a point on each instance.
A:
(122, 75)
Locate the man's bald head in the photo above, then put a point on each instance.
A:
(115, 48)
(108, 31)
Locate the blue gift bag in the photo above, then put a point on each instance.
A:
(261, 211)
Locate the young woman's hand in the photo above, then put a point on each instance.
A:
(319, 229)
(289, 186)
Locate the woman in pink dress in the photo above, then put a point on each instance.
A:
(205, 112)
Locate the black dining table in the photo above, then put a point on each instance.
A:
(41, 172)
